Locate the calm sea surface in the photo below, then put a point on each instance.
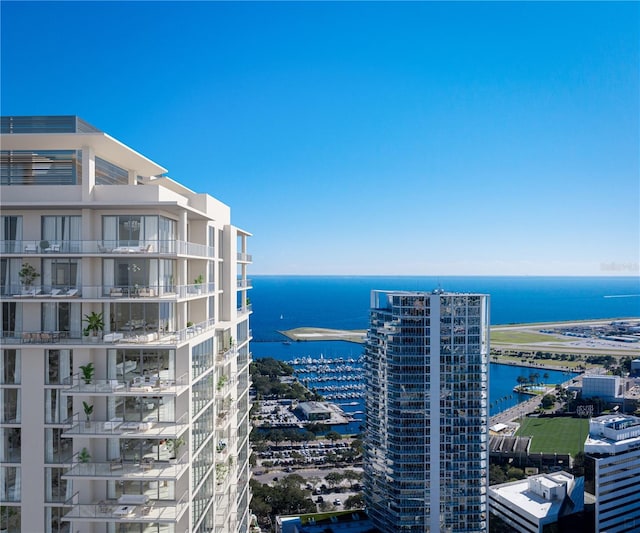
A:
(287, 302)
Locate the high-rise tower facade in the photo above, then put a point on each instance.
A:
(124, 350)
(612, 471)
(426, 449)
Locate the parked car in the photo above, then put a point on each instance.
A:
(319, 499)
(337, 502)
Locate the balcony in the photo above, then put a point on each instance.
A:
(147, 385)
(144, 334)
(244, 284)
(107, 248)
(109, 292)
(116, 427)
(147, 469)
(244, 258)
(122, 511)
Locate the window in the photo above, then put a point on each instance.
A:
(62, 316)
(56, 488)
(57, 449)
(10, 441)
(10, 367)
(58, 366)
(44, 167)
(61, 273)
(11, 233)
(62, 230)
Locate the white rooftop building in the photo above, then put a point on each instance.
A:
(528, 505)
(612, 471)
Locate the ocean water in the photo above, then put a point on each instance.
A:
(342, 302)
(286, 302)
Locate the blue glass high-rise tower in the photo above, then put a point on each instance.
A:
(426, 449)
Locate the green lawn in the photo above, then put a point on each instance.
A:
(562, 435)
(523, 337)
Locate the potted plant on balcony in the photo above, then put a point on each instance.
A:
(173, 445)
(95, 324)
(27, 275)
(87, 372)
(222, 381)
(84, 456)
(197, 284)
(88, 410)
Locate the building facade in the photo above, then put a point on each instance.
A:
(426, 449)
(124, 368)
(612, 471)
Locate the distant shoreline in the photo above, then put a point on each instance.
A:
(305, 334)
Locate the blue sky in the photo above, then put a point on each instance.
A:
(366, 138)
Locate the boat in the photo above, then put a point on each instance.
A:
(286, 342)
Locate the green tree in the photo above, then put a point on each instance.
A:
(334, 478)
(354, 502)
(333, 436)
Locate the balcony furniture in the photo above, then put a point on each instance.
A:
(126, 367)
(116, 464)
(31, 248)
(127, 250)
(103, 507)
(146, 464)
(146, 292)
(133, 499)
(134, 324)
(125, 510)
(113, 337)
(116, 292)
(146, 509)
(31, 293)
(52, 248)
(66, 294)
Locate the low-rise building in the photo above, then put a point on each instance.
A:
(313, 411)
(528, 505)
(605, 387)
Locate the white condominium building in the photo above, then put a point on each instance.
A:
(124, 355)
(612, 471)
(426, 453)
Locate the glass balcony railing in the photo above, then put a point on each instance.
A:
(114, 247)
(110, 291)
(133, 332)
(122, 510)
(246, 258)
(150, 384)
(147, 468)
(150, 427)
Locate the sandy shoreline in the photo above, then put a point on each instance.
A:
(553, 343)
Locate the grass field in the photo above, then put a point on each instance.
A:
(562, 435)
(523, 337)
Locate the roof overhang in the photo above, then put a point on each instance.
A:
(104, 146)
